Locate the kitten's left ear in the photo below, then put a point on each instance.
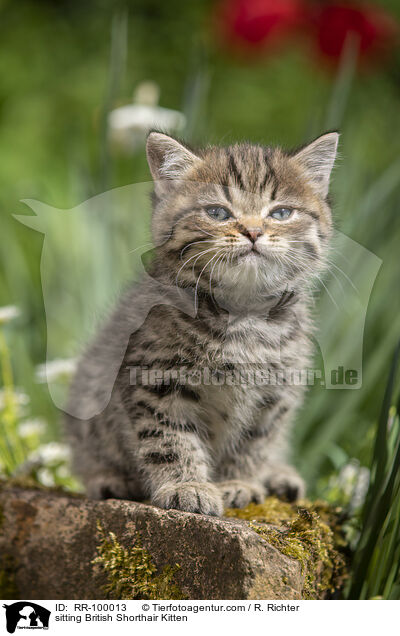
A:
(318, 158)
(167, 158)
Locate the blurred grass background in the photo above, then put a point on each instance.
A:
(64, 65)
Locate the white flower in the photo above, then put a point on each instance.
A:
(137, 117)
(51, 453)
(8, 313)
(60, 369)
(129, 125)
(360, 488)
(353, 480)
(348, 477)
(36, 426)
(46, 477)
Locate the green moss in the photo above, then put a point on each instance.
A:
(131, 572)
(308, 532)
(8, 587)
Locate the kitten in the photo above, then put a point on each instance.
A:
(239, 232)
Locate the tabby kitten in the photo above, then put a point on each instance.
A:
(239, 233)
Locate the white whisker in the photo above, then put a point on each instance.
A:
(195, 243)
(198, 281)
(189, 259)
(345, 275)
(140, 247)
(212, 270)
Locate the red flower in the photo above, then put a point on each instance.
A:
(371, 26)
(256, 24)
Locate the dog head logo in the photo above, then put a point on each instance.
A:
(26, 615)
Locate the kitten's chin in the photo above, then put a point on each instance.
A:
(252, 257)
(245, 283)
(251, 276)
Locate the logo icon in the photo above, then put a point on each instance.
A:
(26, 615)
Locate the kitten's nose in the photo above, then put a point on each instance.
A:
(254, 233)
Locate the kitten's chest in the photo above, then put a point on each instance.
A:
(233, 384)
(227, 410)
(252, 341)
(253, 354)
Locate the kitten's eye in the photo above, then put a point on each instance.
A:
(281, 213)
(218, 213)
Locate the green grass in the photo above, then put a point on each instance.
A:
(376, 562)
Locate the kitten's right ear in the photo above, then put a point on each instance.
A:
(317, 160)
(167, 158)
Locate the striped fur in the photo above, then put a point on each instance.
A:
(227, 297)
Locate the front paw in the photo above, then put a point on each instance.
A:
(190, 496)
(284, 481)
(238, 494)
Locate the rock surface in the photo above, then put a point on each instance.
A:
(51, 540)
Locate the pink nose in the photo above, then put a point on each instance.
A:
(254, 234)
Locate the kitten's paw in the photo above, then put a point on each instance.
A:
(237, 493)
(190, 496)
(284, 481)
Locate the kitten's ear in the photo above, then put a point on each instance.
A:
(167, 158)
(318, 158)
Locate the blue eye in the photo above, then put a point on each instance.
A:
(280, 214)
(218, 213)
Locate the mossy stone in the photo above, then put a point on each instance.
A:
(131, 572)
(308, 532)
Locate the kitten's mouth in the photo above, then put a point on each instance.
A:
(253, 255)
(252, 252)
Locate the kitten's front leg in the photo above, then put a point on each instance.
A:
(271, 433)
(175, 466)
(239, 482)
(168, 452)
(258, 467)
(239, 478)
